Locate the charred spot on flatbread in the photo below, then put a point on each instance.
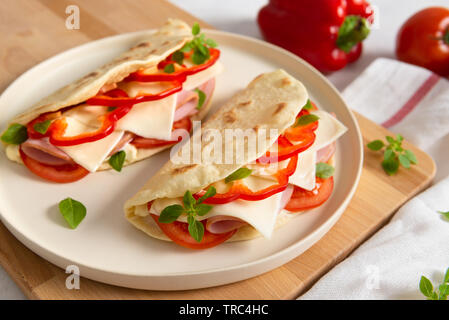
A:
(279, 107)
(230, 117)
(183, 169)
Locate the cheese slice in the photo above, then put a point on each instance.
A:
(199, 78)
(152, 119)
(92, 154)
(87, 114)
(304, 175)
(259, 214)
(329, 130)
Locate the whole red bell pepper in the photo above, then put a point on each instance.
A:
(326, 33)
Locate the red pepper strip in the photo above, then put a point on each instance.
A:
(241, 191)
(104, 100)
(179, 75)
(299, 133)
(303, 137)
(287, 150)
(43, 117)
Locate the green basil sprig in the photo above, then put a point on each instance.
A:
(15, 134)
(200, 46)
(201, 98)
(426, 288)
(394, 154)
(324, 170)
(308, 105)
(305, 120)
(445, 215)
(192, 208)
(42, 127)
(117, 160)
(73, 211)
(239, 174)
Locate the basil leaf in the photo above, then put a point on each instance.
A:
(178, 57)
(399, 138)
(201, 98)
(42, 127)
(196, 29)
(73, 211)
(211, 43)
(305, 120)
(15, 134)
(390, 165)
(446, 276)
(169, 68)
(204, 50)
(309, 105)
(239, 174)
(389, 155)
(198, 57)
(187, 47)
(426, 287)
(196, 230)
(446, 216)
(444, 291)
(210, 192)
(405, 162)
(390, 139)
(116, 160)
(376, 145)
(324, 170)
(202, 209)
(171, 213)
(411, 156)
(188, 200)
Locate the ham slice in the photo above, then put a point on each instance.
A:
(188, 100)
(223, 224)
(324, 154)
(43, 151)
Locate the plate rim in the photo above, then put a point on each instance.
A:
(321, 230)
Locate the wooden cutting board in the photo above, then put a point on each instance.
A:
(34, 30)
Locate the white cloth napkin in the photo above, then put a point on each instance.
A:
(414, 102)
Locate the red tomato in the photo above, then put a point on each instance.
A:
(303, 199)
(147, 143)
(60, 174)
(424, 40)
(178, 232)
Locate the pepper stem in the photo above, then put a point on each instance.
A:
(354, 29)
(446, 36)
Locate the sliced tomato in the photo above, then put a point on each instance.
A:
(178, 232)
(304, 200)
(61, 174)
(148, 143)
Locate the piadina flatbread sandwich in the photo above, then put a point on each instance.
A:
(125, 111)
(205, 203)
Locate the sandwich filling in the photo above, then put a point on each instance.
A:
(293, 176)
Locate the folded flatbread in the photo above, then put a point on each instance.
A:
(150, 120)
(271, 101)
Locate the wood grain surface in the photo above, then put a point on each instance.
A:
(34, 30)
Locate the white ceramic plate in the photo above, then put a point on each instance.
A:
(105, 246)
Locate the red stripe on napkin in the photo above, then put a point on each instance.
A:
(413, 101)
